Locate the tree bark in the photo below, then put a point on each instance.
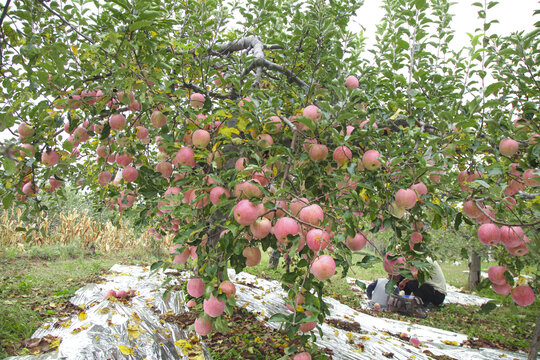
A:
(474, 270)
(273, 262)
(533, 351)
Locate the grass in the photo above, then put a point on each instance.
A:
(508, 326)
(35, 284)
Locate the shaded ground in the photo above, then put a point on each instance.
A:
(34, 288)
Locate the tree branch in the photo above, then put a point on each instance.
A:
(261, 62)
(4, 12)
(232, 96)
(495, 221)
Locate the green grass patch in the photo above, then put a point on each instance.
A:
(35, 284)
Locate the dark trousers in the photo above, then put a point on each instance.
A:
(426, 292)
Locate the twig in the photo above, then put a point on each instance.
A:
(495, 221)
(4, 12)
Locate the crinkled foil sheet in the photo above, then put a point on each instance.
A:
(106, 325)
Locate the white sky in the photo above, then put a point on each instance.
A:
(513, 15)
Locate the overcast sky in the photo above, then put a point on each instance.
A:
(513, 15)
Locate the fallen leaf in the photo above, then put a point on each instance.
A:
(126, 350)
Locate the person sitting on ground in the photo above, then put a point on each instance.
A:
(433, 291)
(376, 292)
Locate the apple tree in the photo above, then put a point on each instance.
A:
(243, 127)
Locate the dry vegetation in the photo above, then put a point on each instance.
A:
(63, 229)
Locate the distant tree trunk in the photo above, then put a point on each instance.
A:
(274, 259)
(535, 340)
(474, 270)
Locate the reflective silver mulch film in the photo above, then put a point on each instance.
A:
(133, 330)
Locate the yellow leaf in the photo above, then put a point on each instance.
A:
(133, 331)
(363, 195)
(223, 113)
(126, 350)
(82, 316)
(227, 131)
(153, 33)
(448, 342)
(136, 317)
(183, 344)
(396, 114)
(55, 344)
(74, 49)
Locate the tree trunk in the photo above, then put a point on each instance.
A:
(474, 270)
(533, 351)
(273, 262)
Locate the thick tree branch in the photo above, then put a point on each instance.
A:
(261, 62)
(255, 43)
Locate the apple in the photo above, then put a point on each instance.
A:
(158, 119)
(245, 213)
(312, 112)
(203, 326)
(200, 138)
(508, 147)
(323, 267)
(317, 240)
(196, 100)
(117, 122)
(252, 255)
(371, 160)
(342, 155)
(406, 199)
(351, 82)
(285, 226)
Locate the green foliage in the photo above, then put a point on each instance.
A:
(432, 113)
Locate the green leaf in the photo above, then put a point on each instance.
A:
(278, 318)
(488, 307)
(390, 286)
(360, 284)
(139, 24)
(402, 44)
(156, 265)
(220, 324)
(308, 122)
(494, 88)
(123, 4)
(9, 166)
(483, 183)
(509, 278)
(106, 130)
(8, 200)
(458, 220)
(420, 4)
